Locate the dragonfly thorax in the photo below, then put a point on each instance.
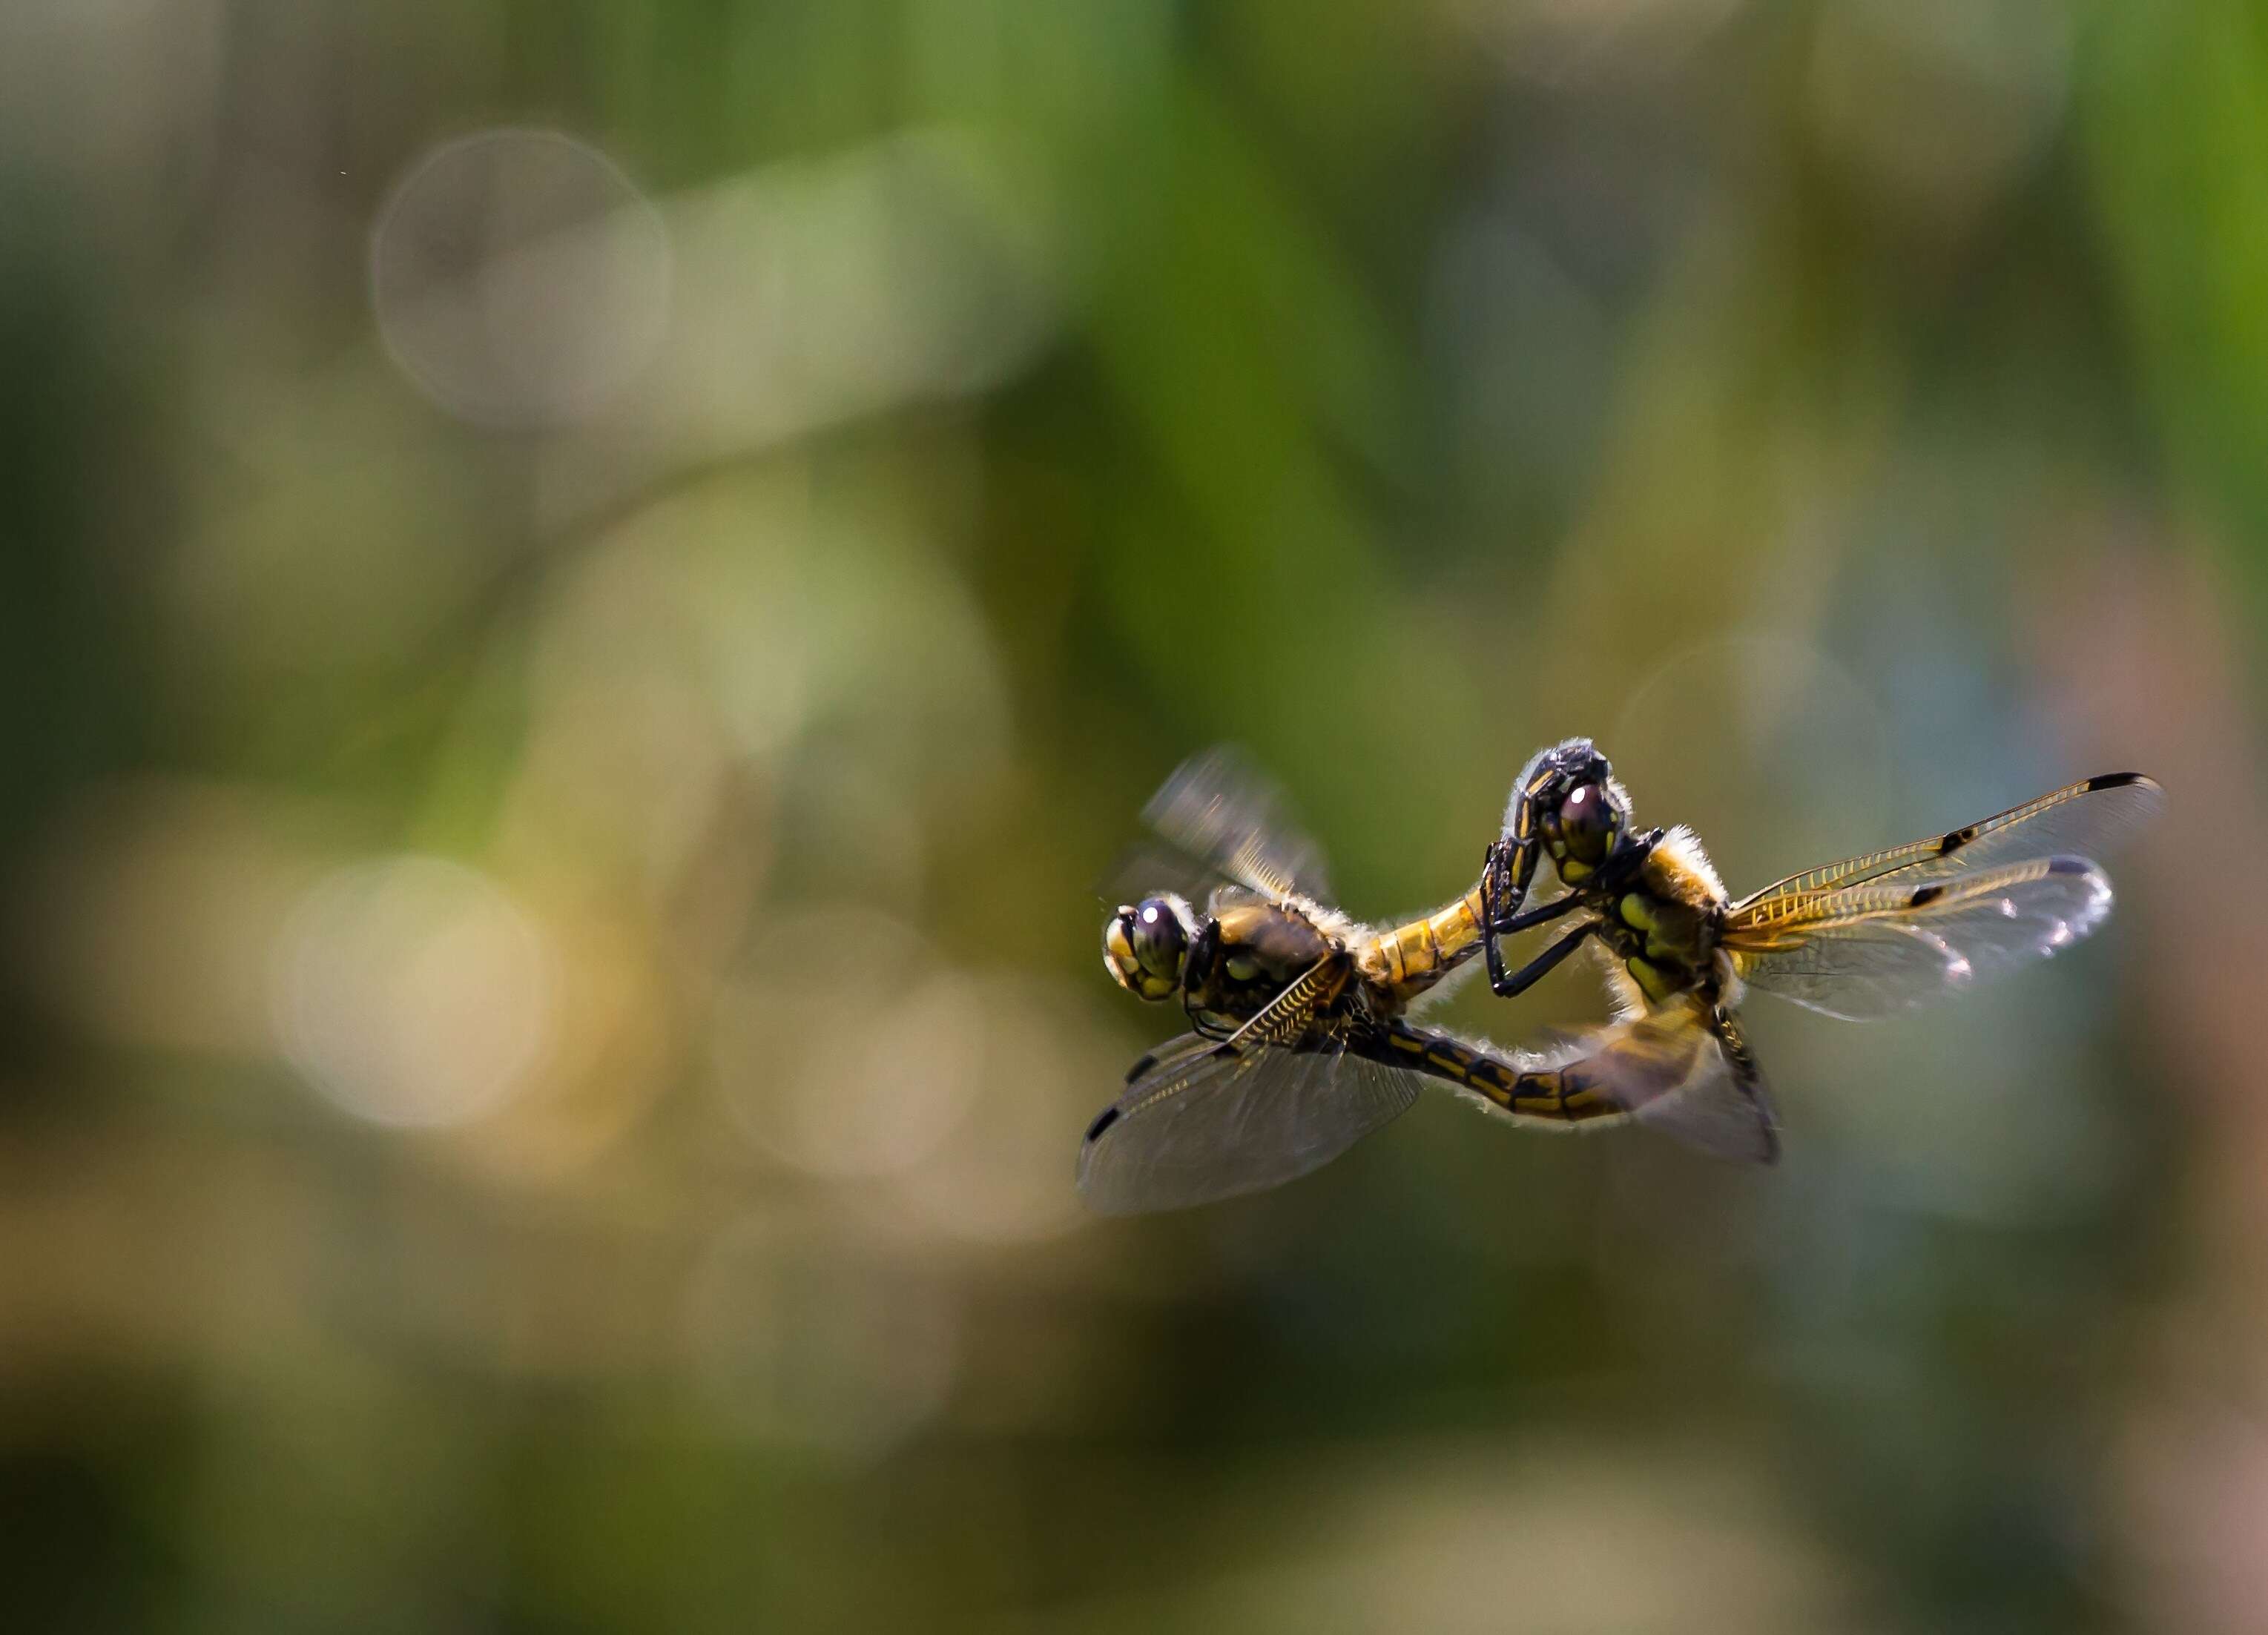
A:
(1249, 953)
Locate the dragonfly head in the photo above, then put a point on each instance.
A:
(1581, 811)
(1146, 946)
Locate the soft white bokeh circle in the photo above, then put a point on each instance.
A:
(519, 278)
(413, 991)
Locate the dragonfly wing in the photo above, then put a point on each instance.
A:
(1153, 868)
(1686, 1072)
(1173, 1054)
(1218, 1122)
(1724, 1108)
(1870, 950)
(1224, 813)
(1201, 1121)
(2087, 819)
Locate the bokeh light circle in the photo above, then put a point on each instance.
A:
(847, 1081)
(519, 278)
(413, 991)
(1774, 751)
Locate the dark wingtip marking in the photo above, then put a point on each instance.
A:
(1141, 1067)
(1958, 839)
(2070, 865)
(1924, 895)
(1102, 1121)
(2118, 780)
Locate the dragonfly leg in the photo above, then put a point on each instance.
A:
(1507, 867)
(1498, 898)
(1507, 985)
(1531, 917)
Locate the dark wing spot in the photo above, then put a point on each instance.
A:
(1141, 1067)
(2069, 865)
(1924, 895)
(1958, 839)
(2116, 780)
(1103, 1120)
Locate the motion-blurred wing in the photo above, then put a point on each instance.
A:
(1215, 1122)
(2085, 820)
(1225, 814)
(1151, 868)
(1870, 950)
(1685, 1072)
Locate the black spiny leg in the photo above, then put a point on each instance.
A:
(1527, 976)
(1493, 885)
(1533, 917)
(1501, 918)
(1507, 868)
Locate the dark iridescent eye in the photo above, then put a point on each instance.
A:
(1143, 948)
(1587, 819)
(1159, 940)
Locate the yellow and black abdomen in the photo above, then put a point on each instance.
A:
(1547, 1094)
(1411, 958)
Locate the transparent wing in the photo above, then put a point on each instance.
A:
(1226, 815)
(1151, 868)
(1871, 950)
(1686, 1072)
(1214, 1122)
(1683, 1070)
(2085, 820)
(1175, 1053)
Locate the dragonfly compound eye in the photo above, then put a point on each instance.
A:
(1143, 948)
(1588, 821)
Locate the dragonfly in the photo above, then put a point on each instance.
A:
(1300, 1037)
(1862, 938)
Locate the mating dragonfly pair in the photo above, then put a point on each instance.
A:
(1301, 1041)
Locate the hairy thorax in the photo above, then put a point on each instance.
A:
(1251, 953)
(1662, 931)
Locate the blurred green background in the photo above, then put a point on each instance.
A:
(589, 588)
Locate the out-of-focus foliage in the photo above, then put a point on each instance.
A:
(587, 589)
